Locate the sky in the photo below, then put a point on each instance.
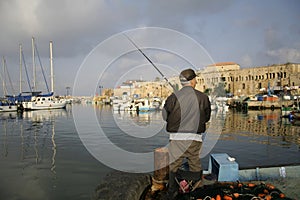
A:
(250, 33)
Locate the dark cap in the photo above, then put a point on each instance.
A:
(187, 74)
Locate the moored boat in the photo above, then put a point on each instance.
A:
(41, 103)
(6, 106)
(146, 105)
(48, 100)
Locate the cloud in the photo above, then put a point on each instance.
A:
(285, 54)
(246, 61)
(229, 29)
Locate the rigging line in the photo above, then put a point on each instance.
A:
(38, 55)
(150, 61)
(10, 82)
(28, 81)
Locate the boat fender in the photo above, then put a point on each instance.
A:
(291, 117)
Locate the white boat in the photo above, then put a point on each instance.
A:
(120, 104)
(7, 107)
(48, 101)
(222, 104)
(141, 104)
(42, 103)
(146, 105)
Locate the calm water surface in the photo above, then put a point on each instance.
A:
(43, 157)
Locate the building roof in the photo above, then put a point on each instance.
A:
(223, 63)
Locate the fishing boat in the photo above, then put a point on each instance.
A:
(45, 101)
(147, 105)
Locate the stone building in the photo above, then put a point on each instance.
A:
(144, 89)
(228, 75)
(249, 81)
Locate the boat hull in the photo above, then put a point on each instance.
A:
(8, 108)
(43, 103)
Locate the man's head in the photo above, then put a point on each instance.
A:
(188, 77)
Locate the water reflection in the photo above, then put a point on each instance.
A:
(28, 151)
(139, 118)
(265, 127)
(34, 128)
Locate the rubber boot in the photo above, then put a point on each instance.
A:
(172, 186)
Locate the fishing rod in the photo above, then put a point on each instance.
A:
(150, 61)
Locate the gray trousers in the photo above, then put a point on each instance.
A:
(180, 149)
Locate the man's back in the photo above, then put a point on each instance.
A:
(187, 111)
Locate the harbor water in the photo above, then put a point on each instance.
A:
(44, 154)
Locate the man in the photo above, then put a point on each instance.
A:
(186, 112)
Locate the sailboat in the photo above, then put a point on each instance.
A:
(45, 101)
(6, 104)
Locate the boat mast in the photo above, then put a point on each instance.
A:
(51, 68)
(3, 81)
(20, 49)
(33, 64)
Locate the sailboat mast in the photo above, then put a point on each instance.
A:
(4, 76)
(3, 72)
(33, 64)
(20, 49)
(51, 68)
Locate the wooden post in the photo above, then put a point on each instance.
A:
(161, 169)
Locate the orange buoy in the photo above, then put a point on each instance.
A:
(218, 197)
(270, 186)
(251, 185)
(226, 197)
(281, 195)
(236, 195)
(268, 197)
